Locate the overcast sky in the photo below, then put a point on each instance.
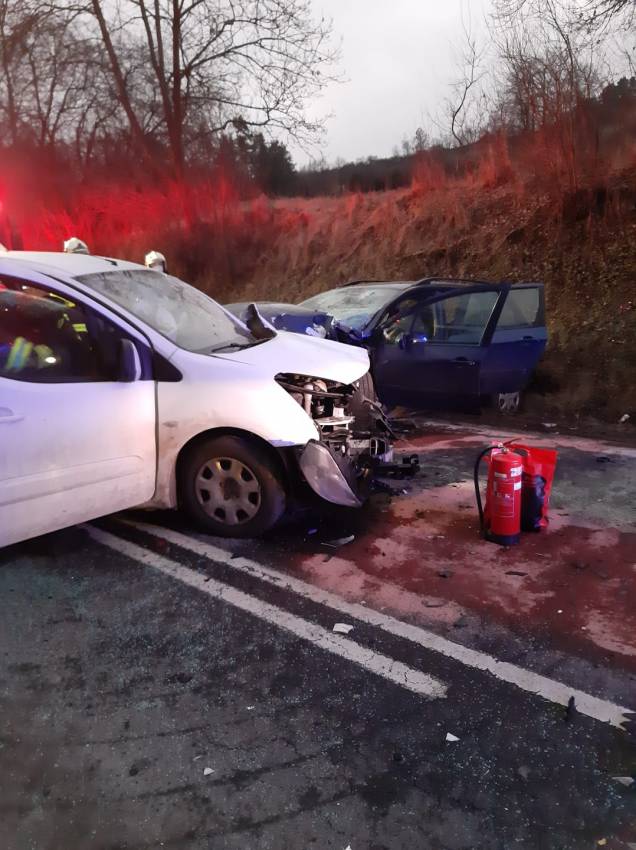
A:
(397, 59)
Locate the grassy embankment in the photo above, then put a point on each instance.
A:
(495, 220)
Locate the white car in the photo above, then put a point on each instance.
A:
(122, 386)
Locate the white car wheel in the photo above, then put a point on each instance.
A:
(228, 490)
(231, 486)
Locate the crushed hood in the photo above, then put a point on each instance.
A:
(305, 355)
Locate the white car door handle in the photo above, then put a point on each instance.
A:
(8, 416)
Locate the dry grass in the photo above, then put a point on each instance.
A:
(500, 219)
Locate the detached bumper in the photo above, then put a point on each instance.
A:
(332, 477)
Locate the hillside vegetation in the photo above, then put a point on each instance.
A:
(582, 245)
(528, 208)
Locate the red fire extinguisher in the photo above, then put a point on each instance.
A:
(500, 518)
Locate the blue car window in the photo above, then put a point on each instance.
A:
(458, 319)
(397, 320)
(523, 309)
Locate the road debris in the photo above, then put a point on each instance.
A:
(342, 628)
(515, 573)
(627, 781)
(549, 424)
(408, 467)
(624, 418)
(383, 487)
(340, 541)
(444, 573)
(196, 758)
(570, 709)
(451, 738)
(207, 771)
(602, 842)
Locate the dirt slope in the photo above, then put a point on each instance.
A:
(582, 244)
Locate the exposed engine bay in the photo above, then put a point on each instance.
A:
(336, 410)
(355, 436)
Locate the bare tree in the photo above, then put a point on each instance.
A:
(52, 92)
(595, 14)
(421, 140)
(183, 68)
(462, 109)
(16, 26)
(549, 71)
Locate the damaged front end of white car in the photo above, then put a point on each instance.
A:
(355, 436)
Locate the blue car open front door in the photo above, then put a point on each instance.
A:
(517, 341)
(432, 357)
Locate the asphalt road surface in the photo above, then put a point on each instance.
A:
(161, 688)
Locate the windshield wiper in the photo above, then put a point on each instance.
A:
(235, 346)
(231, 346)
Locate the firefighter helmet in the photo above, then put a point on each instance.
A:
(155, 260)
(75, 246)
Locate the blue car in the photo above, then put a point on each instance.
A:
(433, 343)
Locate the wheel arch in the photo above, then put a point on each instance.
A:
(248, 436)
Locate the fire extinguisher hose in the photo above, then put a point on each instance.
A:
(480, 508)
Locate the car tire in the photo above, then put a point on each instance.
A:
(358, 406)
(231, 487)
(507, 403)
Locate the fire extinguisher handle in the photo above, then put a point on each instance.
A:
(517, 446)
(480, 508)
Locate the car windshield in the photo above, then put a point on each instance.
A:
(180, 312)
(356, 305)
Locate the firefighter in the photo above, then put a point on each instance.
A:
(75, 246)
(25, 338)
(23, 353)
(156, 261)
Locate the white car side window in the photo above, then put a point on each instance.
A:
(46, 337)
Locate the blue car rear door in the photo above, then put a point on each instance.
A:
(518, 341)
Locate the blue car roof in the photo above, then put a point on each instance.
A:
(445, 281)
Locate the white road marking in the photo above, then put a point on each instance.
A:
(526, 680)
(396, 672)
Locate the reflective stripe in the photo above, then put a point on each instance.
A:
(43, 352)
(19, 354)
(80, 327)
